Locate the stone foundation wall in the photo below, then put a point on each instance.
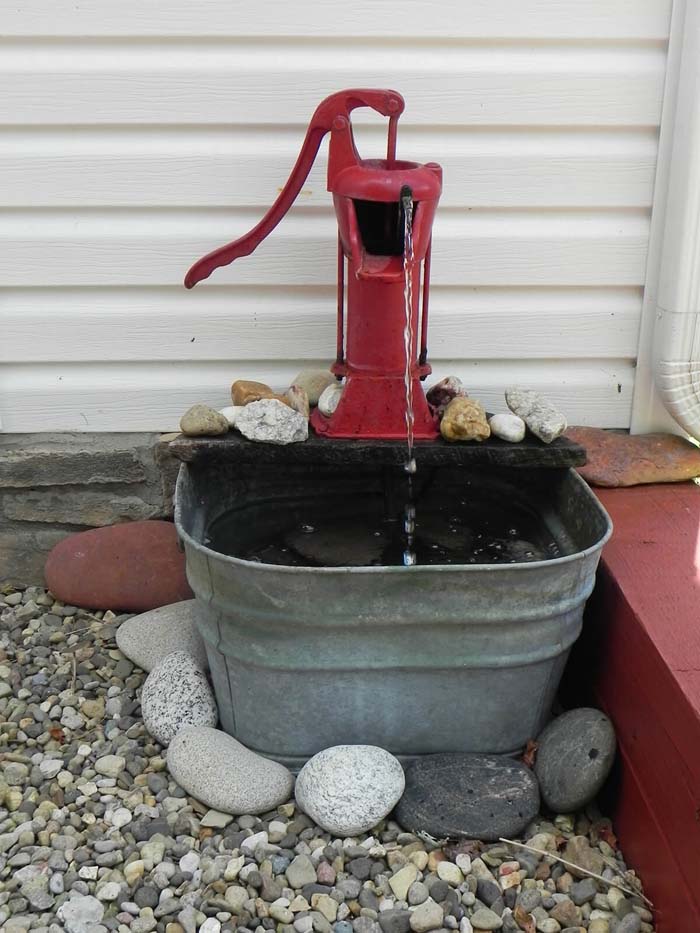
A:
(54, 484)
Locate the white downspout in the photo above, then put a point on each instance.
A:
(676, 343)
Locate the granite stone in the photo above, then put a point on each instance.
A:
(542, 418)
(177, 694)
(348, 789)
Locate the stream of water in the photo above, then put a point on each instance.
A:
(409, 554)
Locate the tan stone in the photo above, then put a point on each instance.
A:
(434, 859)
(94, 709)
(616, 459)
(200, 420)
(314, 381)
(325, 905)
(566, 913)
(297, 397)
(464, 420)
(579, 853)
(402, 881)
(244, 391)
(419, 859)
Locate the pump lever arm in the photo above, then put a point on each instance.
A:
(386, 102)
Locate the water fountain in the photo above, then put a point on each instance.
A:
(316, 630)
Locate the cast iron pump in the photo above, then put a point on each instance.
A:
(369, 197)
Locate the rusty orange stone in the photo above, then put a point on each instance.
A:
(244, 391)
(616, 459)
(131, 567)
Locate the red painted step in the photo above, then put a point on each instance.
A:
(641, 646)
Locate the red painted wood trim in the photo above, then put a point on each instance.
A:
(640, 658)
(654, 556)
(647, 849)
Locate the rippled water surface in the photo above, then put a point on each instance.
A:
(327, 532)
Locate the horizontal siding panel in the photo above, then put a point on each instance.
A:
(135, 137)
(486, 18)
(245, 169)
(249, 324)
(246, 84)
(476, 248)
(153, 396)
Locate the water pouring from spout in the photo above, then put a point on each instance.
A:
(409, 557)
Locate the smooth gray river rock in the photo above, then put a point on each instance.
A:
(149, 637)
(575, 754)
(473, 796)
(216, 769)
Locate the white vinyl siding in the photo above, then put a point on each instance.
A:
(136, 136)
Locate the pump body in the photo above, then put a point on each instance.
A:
(367, 196)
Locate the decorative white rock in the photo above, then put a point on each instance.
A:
(151, 636)
(542, 418)
(223, 774)
(272, 422)
(508, 427)
(176, 694)
(231, 413)
(330, 398)
(80, 913)
(348, 789)
(314, 381)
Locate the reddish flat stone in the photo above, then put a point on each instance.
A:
(632, 460)
(132, 567)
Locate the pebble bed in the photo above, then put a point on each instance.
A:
(95, 835)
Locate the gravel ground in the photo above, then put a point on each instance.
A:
(95, 835)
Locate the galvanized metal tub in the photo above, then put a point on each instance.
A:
(416, 660)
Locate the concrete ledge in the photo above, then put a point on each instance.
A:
(54, 484)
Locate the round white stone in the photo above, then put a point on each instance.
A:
(348, 789)
(508, 427)
(330, 398)
(176, 694)
(223, 774)
(121, 817)
(151, 636)
(231, 413)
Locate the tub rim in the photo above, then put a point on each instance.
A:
(188, 540)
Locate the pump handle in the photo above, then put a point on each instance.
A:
(386, 102)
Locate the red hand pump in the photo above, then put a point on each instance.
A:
(367, 196)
